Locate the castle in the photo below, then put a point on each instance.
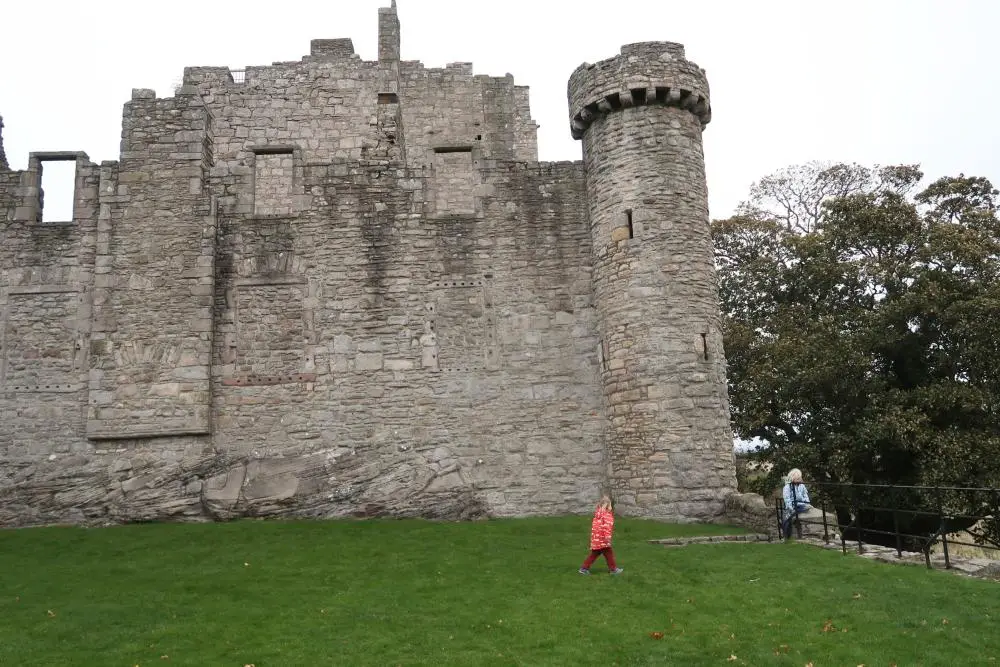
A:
(335, 287)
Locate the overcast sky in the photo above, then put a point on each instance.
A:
(874, 82)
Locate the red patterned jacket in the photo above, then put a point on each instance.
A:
(601, 529)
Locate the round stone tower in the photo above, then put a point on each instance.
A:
(668, 436)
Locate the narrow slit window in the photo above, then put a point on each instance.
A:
(704, 345)
(388, 98)
(628, 220)
(58, 189)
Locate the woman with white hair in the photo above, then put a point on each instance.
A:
(796, 500)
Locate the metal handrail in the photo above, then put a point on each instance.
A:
(848, 497)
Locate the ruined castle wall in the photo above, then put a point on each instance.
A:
(372, 353)
(152, 336)
(338, 107)
(414, 364)
(45, 317)
(525, 129)
(452, 107)
(323, 106)
(334, 287)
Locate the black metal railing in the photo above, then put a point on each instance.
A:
(910, 518)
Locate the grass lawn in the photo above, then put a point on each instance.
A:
(486, 593)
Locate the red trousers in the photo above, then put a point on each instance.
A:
(608, 554)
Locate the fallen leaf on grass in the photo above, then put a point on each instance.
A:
(656, 635)
(51, 613)
(246, 564)
(731, 658)
(944, 621)
(828, 626)
(856, 596)
(164, 657)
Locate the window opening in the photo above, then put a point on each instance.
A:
(273, 181)
(58, 189)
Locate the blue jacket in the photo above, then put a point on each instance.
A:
(801, 498)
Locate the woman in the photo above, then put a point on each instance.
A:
(796, 500)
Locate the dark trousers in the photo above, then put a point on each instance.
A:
(608, 554)
(787, 526)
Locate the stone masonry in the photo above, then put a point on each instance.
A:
(336, 287)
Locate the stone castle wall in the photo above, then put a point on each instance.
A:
(334, 287)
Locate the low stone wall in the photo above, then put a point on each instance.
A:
(750, 511)
(712, 539)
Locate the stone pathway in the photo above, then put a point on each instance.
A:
(982, 568)
(711, 539)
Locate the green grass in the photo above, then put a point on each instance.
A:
(485, 593)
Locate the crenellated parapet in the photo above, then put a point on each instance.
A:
(644, 73)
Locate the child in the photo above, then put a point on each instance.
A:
(600, 537)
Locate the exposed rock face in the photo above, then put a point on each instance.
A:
(336, 287)
(144, 485)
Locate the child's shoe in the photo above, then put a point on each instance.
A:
(583, 570)
(617, 570)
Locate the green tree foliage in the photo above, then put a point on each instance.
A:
(862, 325)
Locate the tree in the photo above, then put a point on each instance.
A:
(794, 196)
(862, 326)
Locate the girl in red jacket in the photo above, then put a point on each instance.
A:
(600, 537)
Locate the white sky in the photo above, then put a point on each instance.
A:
(872, 81)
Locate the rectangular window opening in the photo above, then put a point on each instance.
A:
(704, 345)
(454, 182)
(453, 149)
(388, 98)
(58, 190)
(273, 181)
(628, 219)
